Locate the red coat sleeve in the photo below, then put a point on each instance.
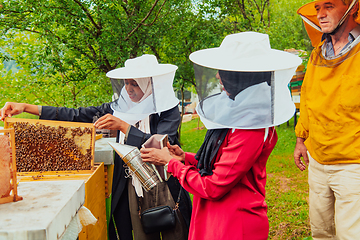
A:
(190, 159)
(237, 154)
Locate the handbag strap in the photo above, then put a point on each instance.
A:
(176, 203)
(178, 199)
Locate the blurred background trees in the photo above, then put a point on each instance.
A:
(58, 52)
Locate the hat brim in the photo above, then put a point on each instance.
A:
(271, 61)
(126, 73)
(308, 11)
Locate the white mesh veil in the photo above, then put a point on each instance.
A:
(143, 69)
(251, 95)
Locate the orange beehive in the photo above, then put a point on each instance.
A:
(60, 151)
(8, 183)
(94, 194)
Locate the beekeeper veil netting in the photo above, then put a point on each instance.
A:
(244, 83)
(141, 87)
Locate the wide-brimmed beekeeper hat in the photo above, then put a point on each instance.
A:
(144, 66)
(309, 16)
(246, 52)
(255, 79)
(156, 78)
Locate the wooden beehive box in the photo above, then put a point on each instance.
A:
(94, 194)
(40, 142)
(45, 145)
(8, 183)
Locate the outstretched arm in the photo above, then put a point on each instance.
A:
(11, 109)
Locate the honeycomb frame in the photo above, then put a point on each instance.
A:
(47, 145)
(13, 195)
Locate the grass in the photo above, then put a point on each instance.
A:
(286, 189)
(192, 135)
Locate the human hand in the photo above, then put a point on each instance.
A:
(301, 151)
(156, 156)
(176, 152)
(111, 122)
(10, 109)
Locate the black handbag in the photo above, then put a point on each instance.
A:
(159, 218)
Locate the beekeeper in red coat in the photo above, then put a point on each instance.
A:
(227, 176)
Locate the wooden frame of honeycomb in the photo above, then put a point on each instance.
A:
(8, 167)
(45, 145)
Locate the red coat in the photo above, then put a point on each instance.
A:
(230, 204)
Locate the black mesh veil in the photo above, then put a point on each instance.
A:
(235, 82)
(235, 99)
(117, 85)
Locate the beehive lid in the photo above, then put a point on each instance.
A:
(44, 213)
(45, 145)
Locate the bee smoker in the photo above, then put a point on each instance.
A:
(137, 168)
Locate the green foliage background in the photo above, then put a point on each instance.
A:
(58, 52)
(63, 49)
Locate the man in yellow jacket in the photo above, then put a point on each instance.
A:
(328, 130)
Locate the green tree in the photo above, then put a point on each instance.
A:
(65, 47)
(286, 29)
(195, 32)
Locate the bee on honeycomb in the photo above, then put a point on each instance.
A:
(48, 148)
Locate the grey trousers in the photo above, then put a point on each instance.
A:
(157, 196)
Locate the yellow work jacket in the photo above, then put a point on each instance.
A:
(330, 107)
